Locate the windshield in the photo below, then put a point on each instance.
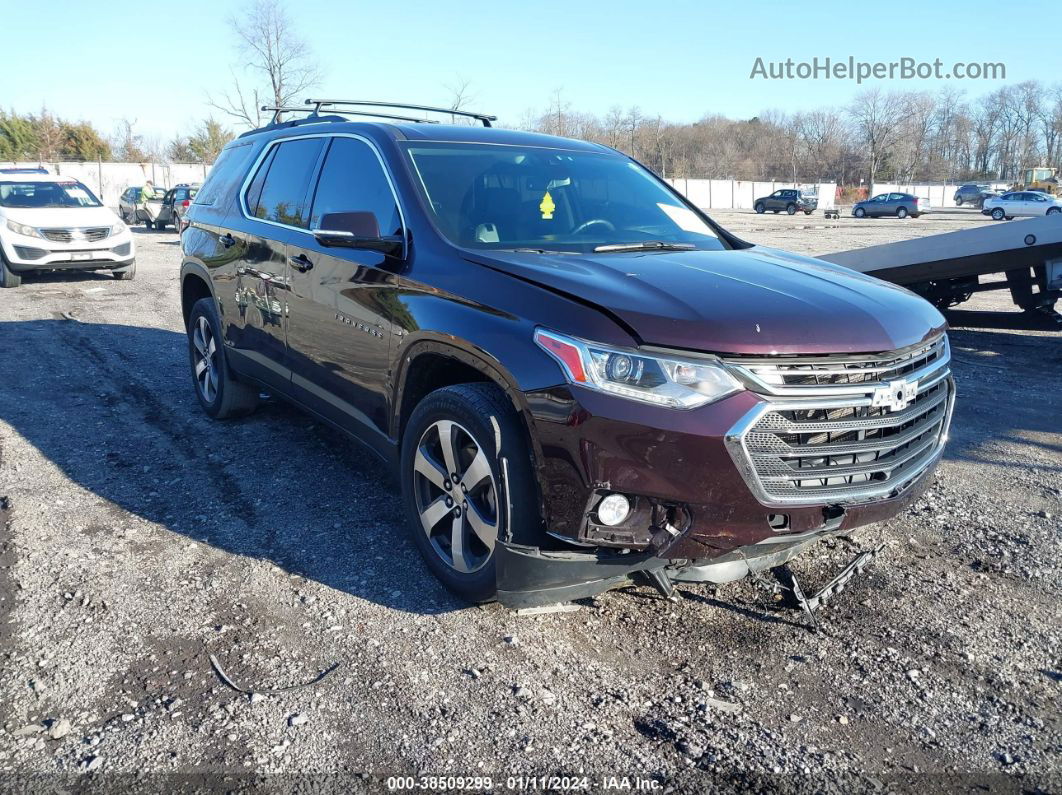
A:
(504, 197)
(39, 195)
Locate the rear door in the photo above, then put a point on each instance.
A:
(276, 206)
(341, 298)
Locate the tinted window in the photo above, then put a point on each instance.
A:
(227, 173)
(254, 190)
(352, 180)
(284, 196)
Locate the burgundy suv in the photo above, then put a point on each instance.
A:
(576, 373)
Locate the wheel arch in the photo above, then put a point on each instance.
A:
(435, 361)
(195, 285)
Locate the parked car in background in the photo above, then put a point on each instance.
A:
(573, 390)
(899, 205)
(789, 199)
(24, 170)
(131, 210)
(174, 206)
(1024, 203)
(49, 222)
(973, 194)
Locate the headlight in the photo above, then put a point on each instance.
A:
(118, 228)
(660, 380)
(22, 229)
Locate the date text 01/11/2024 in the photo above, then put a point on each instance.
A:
(523, 783)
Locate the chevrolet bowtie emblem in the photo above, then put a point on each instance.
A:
(895, 395)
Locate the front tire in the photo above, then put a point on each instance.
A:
(958, 201)
(219, 393)
(807, 212)
(998, 214)
(860, 212)
(760, 208)
(8, 278)
(454, 486)
(125, 274)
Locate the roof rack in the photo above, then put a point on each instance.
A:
(315, 114)
(364, 103)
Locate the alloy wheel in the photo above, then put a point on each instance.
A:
(205, 356)
(456, 496)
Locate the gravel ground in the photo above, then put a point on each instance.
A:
(137, 538)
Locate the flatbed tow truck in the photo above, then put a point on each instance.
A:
(947, 269)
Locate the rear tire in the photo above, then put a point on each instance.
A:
(8, 278)
(790, 209)
(218, 391)
(148, 224)
(473, 416)
(807, 212)
(1054, 210)
(901, 212)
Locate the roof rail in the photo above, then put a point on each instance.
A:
(315, 114)
(319, 103)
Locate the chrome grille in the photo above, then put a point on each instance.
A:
(781, 375)
(837, 429)
(92, 234)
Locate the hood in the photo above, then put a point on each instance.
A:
(47, 217)
(749, 301)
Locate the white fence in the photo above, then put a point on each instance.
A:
(109, 180)
(939, 194)
(726, 194)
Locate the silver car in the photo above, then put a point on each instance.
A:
(1021, 203)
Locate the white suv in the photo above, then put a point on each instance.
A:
(48, 222)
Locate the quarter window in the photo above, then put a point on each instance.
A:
(284, 198)
(352, 180)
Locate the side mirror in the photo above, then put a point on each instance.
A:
(356, 230)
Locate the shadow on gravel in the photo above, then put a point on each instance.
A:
(1016, 321)
(1009, 389)
(113, 407)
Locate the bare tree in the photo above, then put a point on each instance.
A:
(278, 64)
(876, 116)
(461, 95)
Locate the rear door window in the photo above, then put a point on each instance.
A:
(285, 191)
(352, 180)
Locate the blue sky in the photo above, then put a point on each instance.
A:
(154, 62)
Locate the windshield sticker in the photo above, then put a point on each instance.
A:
(547, 207)
(684, 218)
(77, 193)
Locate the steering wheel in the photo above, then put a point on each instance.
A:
(594, 222)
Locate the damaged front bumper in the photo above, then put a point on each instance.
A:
(530, 577)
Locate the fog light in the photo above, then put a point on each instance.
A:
(613, 509)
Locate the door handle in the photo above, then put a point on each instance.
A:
(300, 263)
(227, 240)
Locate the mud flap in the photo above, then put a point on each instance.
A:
(796, 599)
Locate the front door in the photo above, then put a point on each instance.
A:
(341, 298)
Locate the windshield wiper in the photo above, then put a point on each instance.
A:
(645, 245)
